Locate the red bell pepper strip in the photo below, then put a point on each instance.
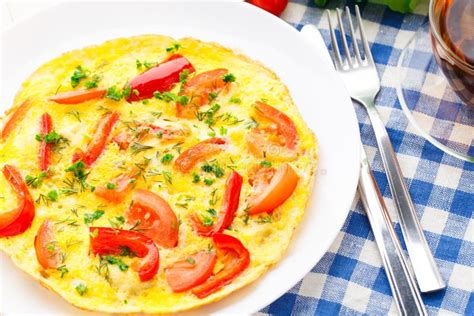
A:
(99, 140)
(106, 241)
(46, 126)
(14, 118)
(160, 78)
(78, 96)
(46, 250)
(229, 207)
(191, 156)
(235, 257)
(19, 219)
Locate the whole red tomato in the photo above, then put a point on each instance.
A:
(275, 7)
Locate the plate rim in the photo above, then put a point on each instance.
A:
(334, 78)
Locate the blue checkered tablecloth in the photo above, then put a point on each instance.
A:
(350, 278)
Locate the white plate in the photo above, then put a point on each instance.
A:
(314, 86)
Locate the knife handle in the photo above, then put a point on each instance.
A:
(402, 282)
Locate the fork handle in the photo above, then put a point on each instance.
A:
(405, 292)
(423, 263)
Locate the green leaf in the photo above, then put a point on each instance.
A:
(89, 218)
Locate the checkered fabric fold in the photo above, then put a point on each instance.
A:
(350, 279)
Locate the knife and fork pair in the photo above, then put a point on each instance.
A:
(359, 74)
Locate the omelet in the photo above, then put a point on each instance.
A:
(152, 175)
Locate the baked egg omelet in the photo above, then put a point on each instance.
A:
(153, 175)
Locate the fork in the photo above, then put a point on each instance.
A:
(361, 79)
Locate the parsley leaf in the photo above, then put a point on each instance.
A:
(228, 77)
(166, 158)
(173, 48)
(89, 218)
(81, 288)
(94, 83)
(79, 74)
(112, 260)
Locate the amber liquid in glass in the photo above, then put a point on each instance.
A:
(456, 25)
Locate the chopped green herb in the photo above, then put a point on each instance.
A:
(53, 195)
(139, 64)
(145, 102)
(212, 212)
(112, 260)
(51, 138)
(117, 221)
(207, 221)
(79, 170)
(173, 48)
(265, 163)
(196, 178)
(166, 158)
(235, 100)
(183, 75)
(89, 218)
(94, 83)
(190, 260)
(81, 288)
(63, 270)
(35, 182)
(136, 92)
(212, 96)
(126, 91)
(228, 77)
(167, 176)
(76, 114)
(208, 181)
(79, 74)
(111, 186)
(214, 168)
(114, 94)
(222, 130)
(137, 148)
(251, 124)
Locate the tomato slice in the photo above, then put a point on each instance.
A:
(275, 143)
(19, 219)
(198, 88)
(46, 125)
(78, 96)
(235, 257)
(194, 270)
(105, 241)
(153, 215)
(275, 7)
(124, 138)
(269, 193)
(14, 118)
(160, 78)
(229, 207)
(46, 250)
(191, 156)
(285, 125)
(99, 140)
(123, 184)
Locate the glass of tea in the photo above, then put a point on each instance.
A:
(452, 39)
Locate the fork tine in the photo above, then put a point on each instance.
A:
(335, 48)
(368, 54)
(343, 36)
(355, 46)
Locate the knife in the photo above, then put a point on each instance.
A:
(400, 276)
